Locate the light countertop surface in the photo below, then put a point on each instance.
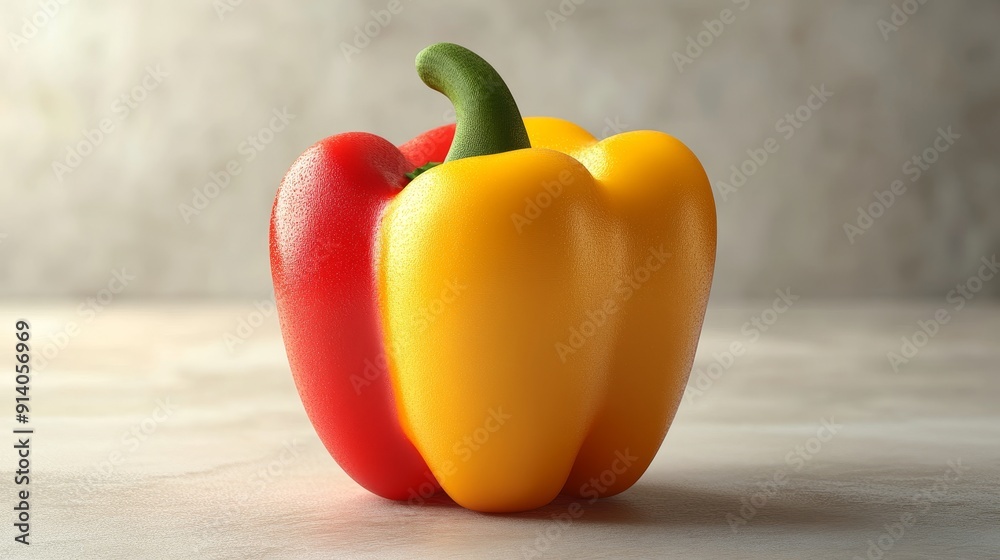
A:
(154, 438)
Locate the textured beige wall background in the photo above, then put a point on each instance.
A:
(217, 74)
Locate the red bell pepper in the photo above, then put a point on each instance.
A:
(322, 232)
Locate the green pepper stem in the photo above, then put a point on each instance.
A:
(488, 121)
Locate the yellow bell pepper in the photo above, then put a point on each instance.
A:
(541, 294)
